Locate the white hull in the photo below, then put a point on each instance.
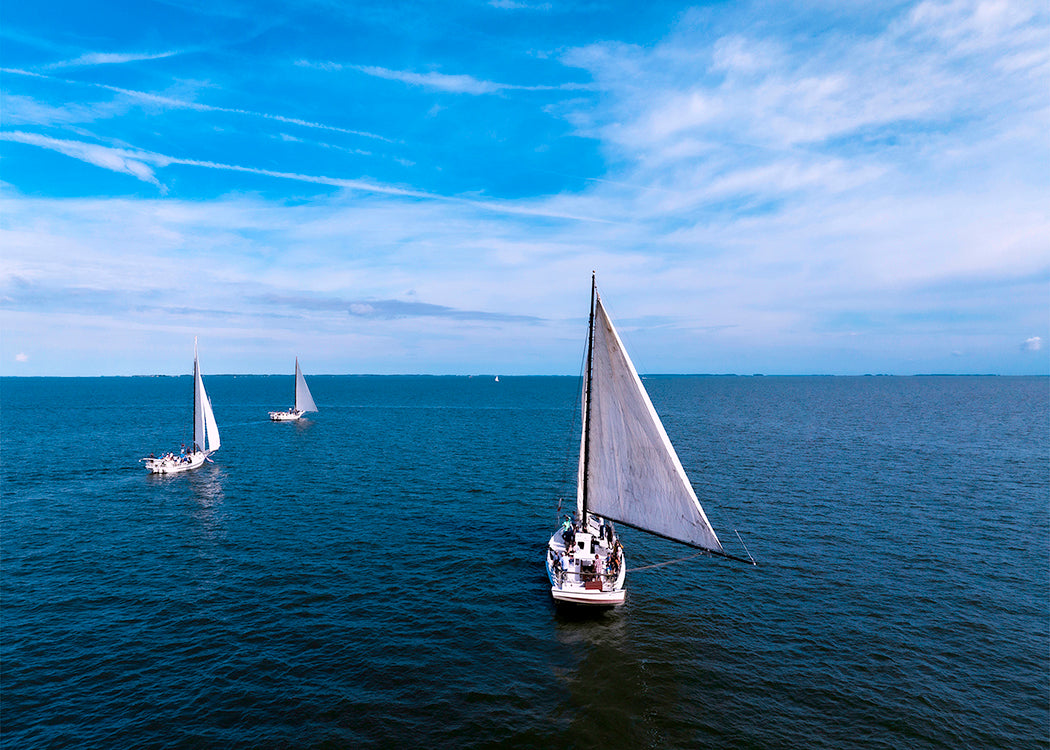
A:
(172, 464)
(285, 416)
(589, 579)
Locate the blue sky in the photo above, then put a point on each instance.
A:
(813, 187)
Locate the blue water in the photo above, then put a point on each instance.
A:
(373, 577)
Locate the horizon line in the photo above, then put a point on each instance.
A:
(561, 375)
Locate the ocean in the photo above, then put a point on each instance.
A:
(373, 576)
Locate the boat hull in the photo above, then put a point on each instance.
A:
(583, 597)
(172, 464)
(285, 416)
(581, 582)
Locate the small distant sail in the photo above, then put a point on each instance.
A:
(634, 475)
(304, 402)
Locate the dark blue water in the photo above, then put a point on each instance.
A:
(373, 577)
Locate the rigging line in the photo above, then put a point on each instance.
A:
(572, 445)
(668, 562)
(744, 545)
(586, 464)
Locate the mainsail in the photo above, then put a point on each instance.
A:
(633, 473)
(205, 430)
(303, 400)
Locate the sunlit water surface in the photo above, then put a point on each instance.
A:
(373, 576)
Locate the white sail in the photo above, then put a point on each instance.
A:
(205, 430)
(633, 473)
(211, 429)
(304, 402)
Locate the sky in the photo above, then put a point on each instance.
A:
(425, 187)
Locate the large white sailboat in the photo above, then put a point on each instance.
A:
(205, 433)
(628, 473)
(304, 402)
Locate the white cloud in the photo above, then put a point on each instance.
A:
(136, 163)
(327, 66)
(1032, 344)
(737, 54)
(114, 159)
(21, 357)
(515, 5)
(170, 102)
(919, 73)
(24, 110)
(457, 84)
(111, 58)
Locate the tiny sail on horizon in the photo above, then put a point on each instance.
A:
(628, 472)
(304, 400)
(205, 433)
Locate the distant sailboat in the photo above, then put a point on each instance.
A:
(628, 472)
(205, 433)
(304, 402)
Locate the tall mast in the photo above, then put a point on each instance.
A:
(587, 403)
(193, 441)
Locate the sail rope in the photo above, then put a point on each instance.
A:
(667, 562)
(744, 546)
(572, 446)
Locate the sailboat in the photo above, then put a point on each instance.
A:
(628, 473)
(205, 433)
(304, 402)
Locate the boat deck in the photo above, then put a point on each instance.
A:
(586, 567)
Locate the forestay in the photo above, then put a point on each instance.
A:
(634, 475)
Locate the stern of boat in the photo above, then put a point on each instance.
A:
(586, 578)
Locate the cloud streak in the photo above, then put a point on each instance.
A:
(448, 83)
(138, 164)
(114, 159)
(111, 58)
(392, 309)
(174, 103)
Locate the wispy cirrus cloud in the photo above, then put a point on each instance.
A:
(435, 81)
(516, 5)
(392, 309)
(111, 58)
(119, 160)
(456, 84)
(176, 103)
(939, 87)
(140, 164)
